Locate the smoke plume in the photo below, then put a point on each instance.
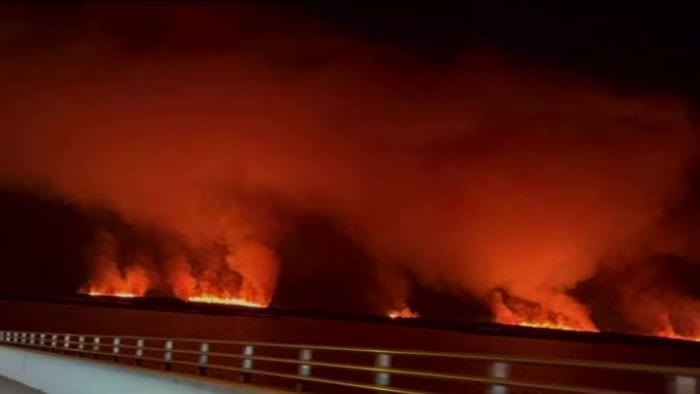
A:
(482, 176)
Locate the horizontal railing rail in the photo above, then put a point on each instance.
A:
(497, 379)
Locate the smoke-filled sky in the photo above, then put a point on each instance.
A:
(459, 150)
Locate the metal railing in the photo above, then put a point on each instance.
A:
(334, 369)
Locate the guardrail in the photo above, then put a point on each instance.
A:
(331, 367)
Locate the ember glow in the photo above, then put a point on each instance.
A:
(120, 294)
(402, 313)
(678, 337)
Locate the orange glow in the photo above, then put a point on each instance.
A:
(492, 172)
(225, 300)
(679, 337)
(402, 313)
(668, 331)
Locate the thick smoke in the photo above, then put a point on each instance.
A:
(478, 176)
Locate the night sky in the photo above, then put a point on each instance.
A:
(46, 235)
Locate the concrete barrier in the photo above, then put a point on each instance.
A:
(57, 374)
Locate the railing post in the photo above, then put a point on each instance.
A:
(139, 351)
(304, 370)
(683, 385)
(115, 349)
(23, 337)
(42, 339)
(203, 359)
(95, 346)
(2, 336)
(54, 340)
(247, 363)
(382, 361)
(81, 345)
(498, 370)
(32, 337)
(168, 355)
(66, 343)
(15, 337)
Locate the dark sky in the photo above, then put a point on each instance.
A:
(633, 47)
(645, 44)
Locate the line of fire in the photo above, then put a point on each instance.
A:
(506, 310)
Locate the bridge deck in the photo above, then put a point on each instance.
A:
(8, 386)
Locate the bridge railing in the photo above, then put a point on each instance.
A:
(350, 369)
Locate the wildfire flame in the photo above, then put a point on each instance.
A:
(513, 311)
(121, 294)
(552, 326)
(403, 312)
(111, 282)
(225, 300)
(667, 330)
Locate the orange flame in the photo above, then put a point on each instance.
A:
(121, 294)
(528, 314)
(403, 312)
(667, 330)
(209, 289)
(552, 325)
(225, 300)
(133, 283)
